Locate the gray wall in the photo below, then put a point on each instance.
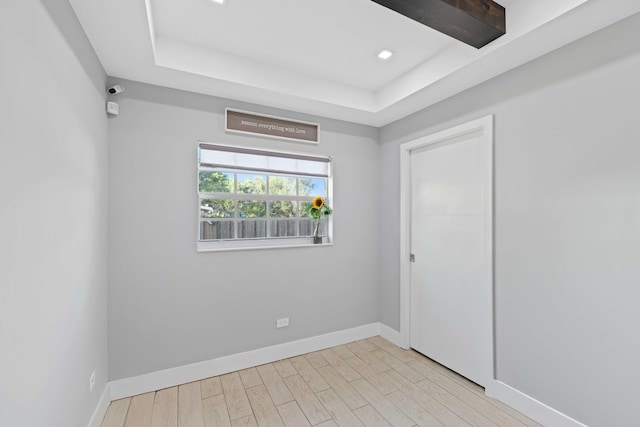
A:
(53, 182)
(567, 222)
(567, 227)
(168, 304)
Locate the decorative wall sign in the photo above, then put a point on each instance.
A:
(273, 127)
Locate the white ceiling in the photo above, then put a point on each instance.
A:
(319, 57)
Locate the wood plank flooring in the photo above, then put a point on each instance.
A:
(365, 383)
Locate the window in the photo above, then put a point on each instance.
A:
(254, 198)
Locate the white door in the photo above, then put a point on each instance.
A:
(451, 287)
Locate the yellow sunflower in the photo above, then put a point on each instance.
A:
(318, 202)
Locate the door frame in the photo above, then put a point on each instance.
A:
(484, 129)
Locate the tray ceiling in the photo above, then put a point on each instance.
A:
(320, 57)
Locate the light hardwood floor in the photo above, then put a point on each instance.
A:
(365, 383)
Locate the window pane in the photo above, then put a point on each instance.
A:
(308, 226)
(252, 229)
(284, 209)
(284, 227)
(252, 208)
(284, 185)
(323, 226)
(257, 199)
(304, 209)
(216, 230)
(215, 182)
(313, 187)
(216, 208)
(252, 183)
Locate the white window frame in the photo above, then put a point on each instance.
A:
(269, 242)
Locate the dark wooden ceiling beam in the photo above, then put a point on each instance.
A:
(475, 22)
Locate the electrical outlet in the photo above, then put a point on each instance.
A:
(92, 381)
(282, 323)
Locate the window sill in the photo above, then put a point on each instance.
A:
(250, 245)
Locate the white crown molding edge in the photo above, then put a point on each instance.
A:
(529, 406)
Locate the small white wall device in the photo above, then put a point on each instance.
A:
(113, 108)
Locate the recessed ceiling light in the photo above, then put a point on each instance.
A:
(385, 54)
(217, 1)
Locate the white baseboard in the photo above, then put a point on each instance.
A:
(391, 335)
(197, 371)
(101, 408)
(158, 380)
(529, 406)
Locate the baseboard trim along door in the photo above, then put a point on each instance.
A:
(158, 380)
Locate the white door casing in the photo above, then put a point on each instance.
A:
(450, 304)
